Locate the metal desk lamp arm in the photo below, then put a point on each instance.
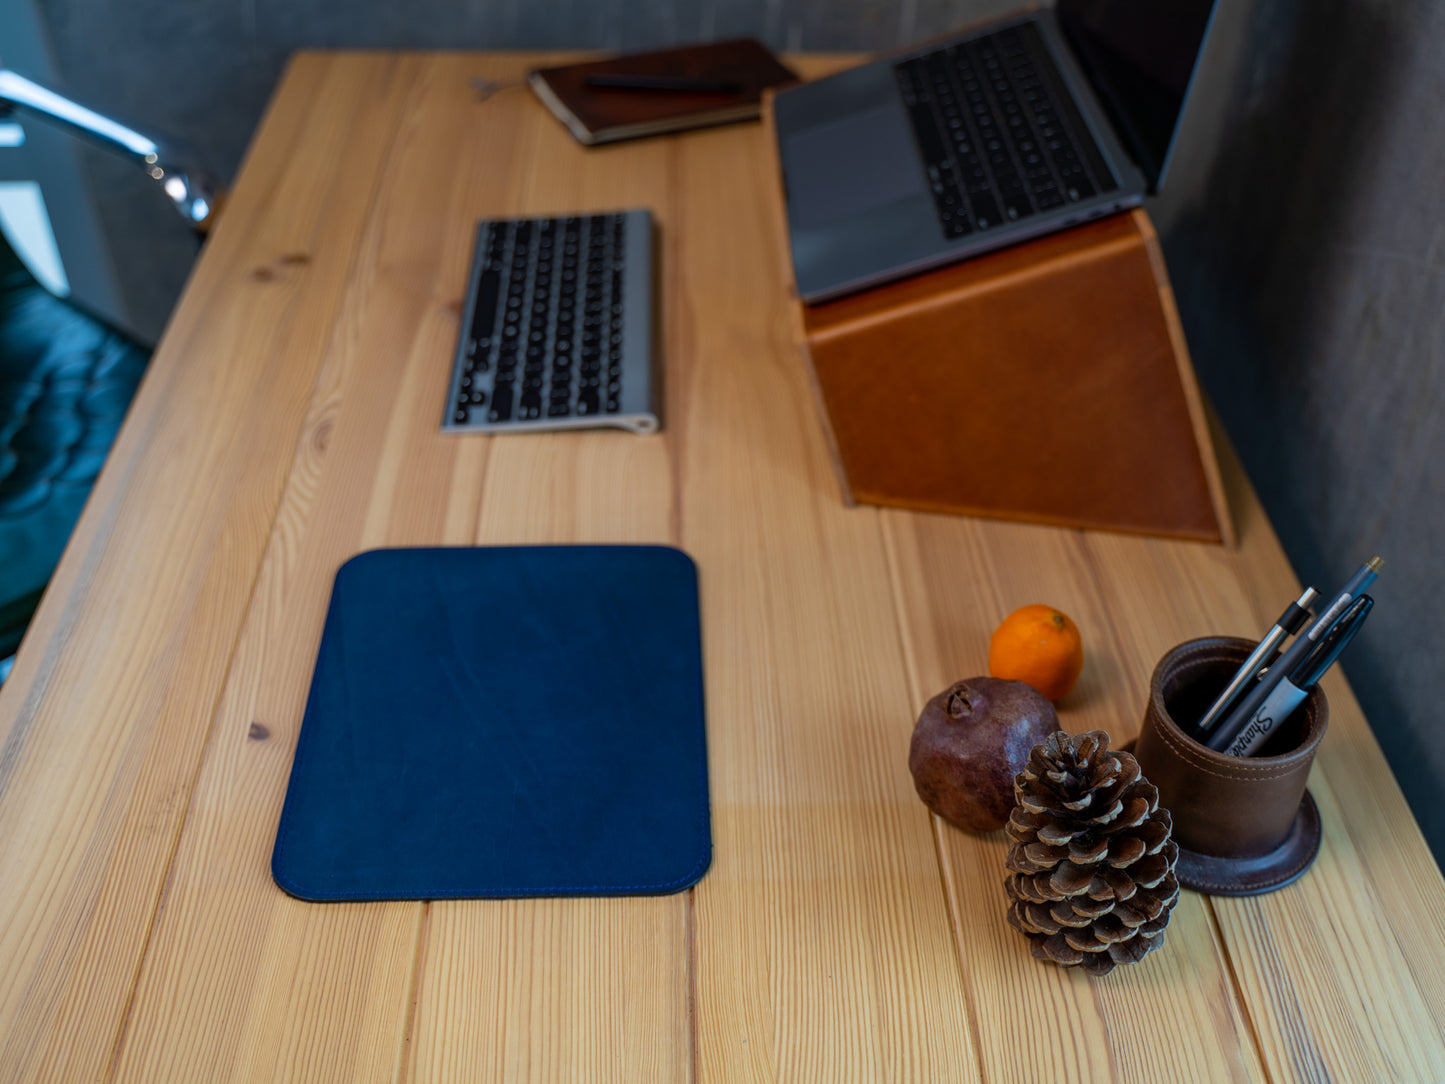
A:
(193, 190)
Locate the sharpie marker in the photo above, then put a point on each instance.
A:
(1292, 689)
(1290, 622)
(1248, 707)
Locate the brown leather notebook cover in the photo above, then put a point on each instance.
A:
(736, 72)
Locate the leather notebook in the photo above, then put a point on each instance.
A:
(642, 94)
(502, 722)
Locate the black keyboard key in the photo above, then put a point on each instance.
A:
(930, 141)
(501, 403)
(1016, 203)
(1071, 121)
(986, 212)
(587, 401)
(484, 309)
(1077, 186)
(531, 401)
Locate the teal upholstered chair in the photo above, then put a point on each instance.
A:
(66, 381)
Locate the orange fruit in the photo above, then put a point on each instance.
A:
(1038, 645)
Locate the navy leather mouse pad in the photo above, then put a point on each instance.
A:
(495, 722)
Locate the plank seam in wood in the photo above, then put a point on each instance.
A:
(694, 1052)
(674, 398)
(956, 921)
(112, 1062)
(940, 851)
(1236, 985)
(1221, 946)
(1110, 1045)
(303, 435)
(418, 964)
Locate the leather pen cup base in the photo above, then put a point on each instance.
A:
(1222, 876)
(1254, 876)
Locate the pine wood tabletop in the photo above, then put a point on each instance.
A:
(290, 420)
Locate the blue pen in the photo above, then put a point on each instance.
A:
(1294, 618)
(1223, 737)
(1292, 689)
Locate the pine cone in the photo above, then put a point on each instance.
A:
(1092, 865)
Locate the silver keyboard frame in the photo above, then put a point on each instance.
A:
(638, 407)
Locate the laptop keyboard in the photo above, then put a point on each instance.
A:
(998, 131)
(557, 331)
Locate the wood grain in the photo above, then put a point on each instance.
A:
(567, 989)
(1068, 1026)
(117, 681)
(1362, 902)
(823, 943)
(290, 420)
(242, 981)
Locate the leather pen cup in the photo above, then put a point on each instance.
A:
(1244, 825)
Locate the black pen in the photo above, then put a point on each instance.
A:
(673, 83)
(1290, 622)
(1296, 685)
(1223, 737)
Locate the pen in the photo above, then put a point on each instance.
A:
(1290, 622)
(676, 83)
(1254, 699)
(1296, 685)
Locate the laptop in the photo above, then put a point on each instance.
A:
(1034, 123)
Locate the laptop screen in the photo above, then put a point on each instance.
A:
(1140, 56)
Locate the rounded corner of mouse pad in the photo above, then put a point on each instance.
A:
(296, 887)
(502, 722)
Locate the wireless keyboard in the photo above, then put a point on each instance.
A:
(557, 332)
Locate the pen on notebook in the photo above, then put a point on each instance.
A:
(675, 83)
(1224, 735)
(1290, 622)
(1296, 685)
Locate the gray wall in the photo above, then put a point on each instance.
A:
(1302, 225)
(1305, 237)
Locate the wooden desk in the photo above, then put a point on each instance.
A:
(290, 420)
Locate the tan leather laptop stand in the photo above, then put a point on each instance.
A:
(1048, 382)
